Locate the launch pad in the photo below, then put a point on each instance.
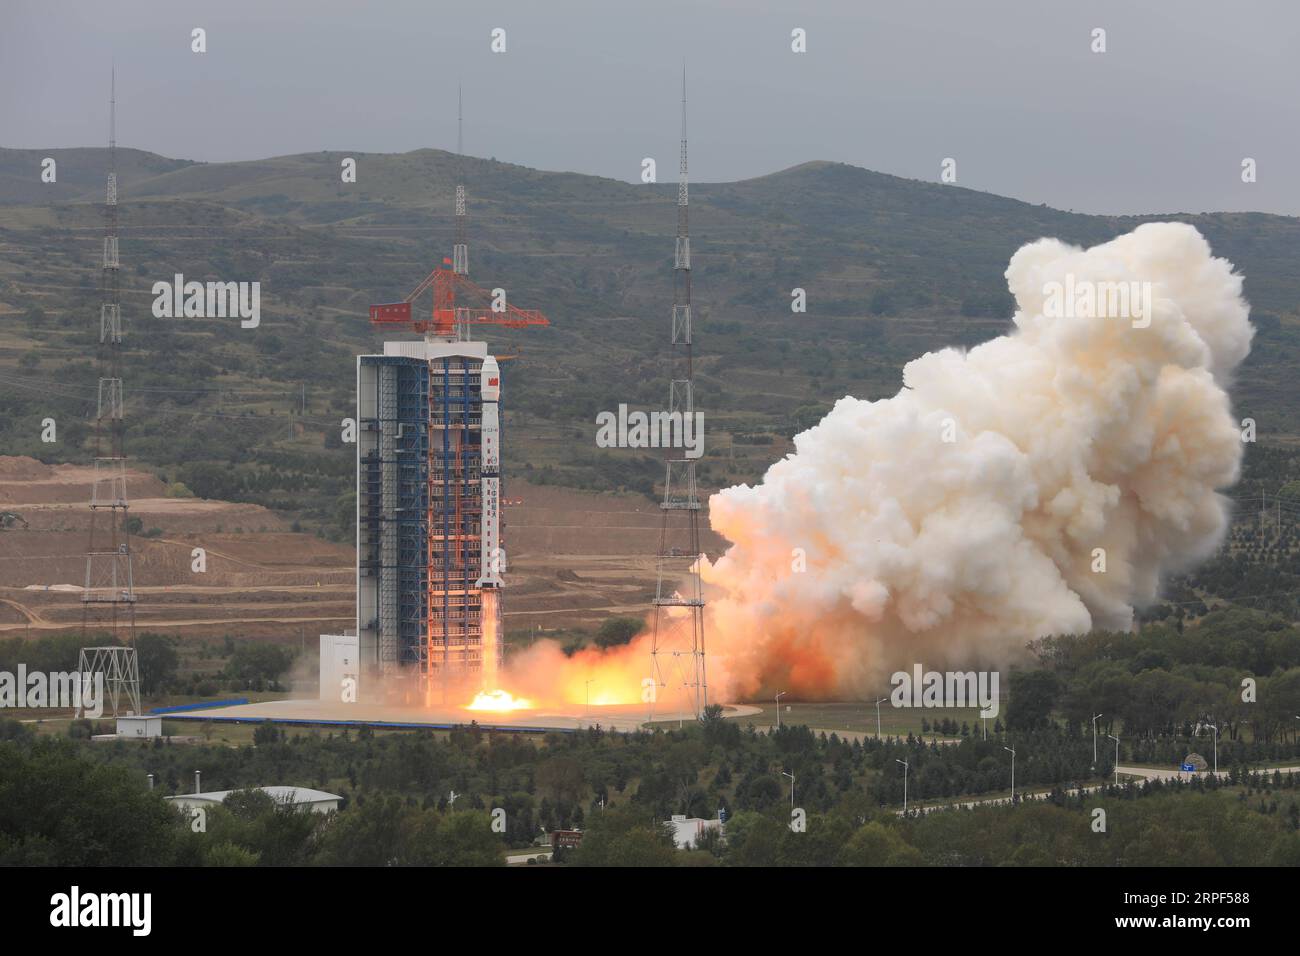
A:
(310, 712)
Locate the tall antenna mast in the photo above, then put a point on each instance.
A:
(460, 254)
(683, 204)
(108, 596)
(677, 648)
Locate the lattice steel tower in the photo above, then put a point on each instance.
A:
(677, 648)
(109, 596)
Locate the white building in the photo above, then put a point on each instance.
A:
(687, 830)
(340, 661)
(141, 727)
(301, 798)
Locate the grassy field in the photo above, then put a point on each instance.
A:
(235, 735)
(1223, 764)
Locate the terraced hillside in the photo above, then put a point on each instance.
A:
(892, 268)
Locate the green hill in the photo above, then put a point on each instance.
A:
(892, 268)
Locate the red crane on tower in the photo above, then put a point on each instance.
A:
(458, 303)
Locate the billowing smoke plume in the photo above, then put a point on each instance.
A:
(963, 517)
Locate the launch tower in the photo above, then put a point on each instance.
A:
(429, 545)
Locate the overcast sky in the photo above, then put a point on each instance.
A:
(1010, 89)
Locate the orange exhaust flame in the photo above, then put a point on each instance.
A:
(498, 700)
(589, 678)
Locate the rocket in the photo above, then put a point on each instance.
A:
(493, 558)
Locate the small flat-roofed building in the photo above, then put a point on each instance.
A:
(143, 727)
(300, 798)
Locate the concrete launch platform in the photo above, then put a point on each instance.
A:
(318, 713)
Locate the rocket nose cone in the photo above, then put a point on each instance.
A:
(490, 380)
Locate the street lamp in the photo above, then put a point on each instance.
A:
(778, 710)
(1215, 728)
(906, 766)
(1116, 739)
(878, 703)
(791, 776)
(1013, 774)
(1094, 740)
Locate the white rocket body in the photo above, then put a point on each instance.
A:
(493, 557)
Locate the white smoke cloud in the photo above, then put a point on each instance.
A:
(1071, 434)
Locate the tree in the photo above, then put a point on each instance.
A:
(1032, 695)
(1290, 492)
(875, 844)
(819, 845)
(249, 804)
(625, 836)
(753, 839)
(345, 513)
(563, 777)
(759, 791)
(157, 659)
(58, 808)
(369, 834)
(265, 734)
(618, 630)
(466, 839)
(254, 663)
(717, 730)
(230, 854)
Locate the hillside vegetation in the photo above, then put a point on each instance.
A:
(892, 268)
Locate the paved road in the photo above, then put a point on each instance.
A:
(1145, 773)
(1151, 774)
(147, 623)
